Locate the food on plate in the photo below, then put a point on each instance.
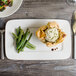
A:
(22, 39)
(54, 49)
(5, 3)
(50, 34)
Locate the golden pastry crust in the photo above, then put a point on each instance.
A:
(40, 33)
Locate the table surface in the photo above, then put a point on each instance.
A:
(42, 9)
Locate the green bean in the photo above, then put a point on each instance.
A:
(30, 37)
(25, 43)
(20, 34)
(15, 36)
(17, 31)
(23, 39)
(31, 45)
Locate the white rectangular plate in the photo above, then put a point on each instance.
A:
(42, 52)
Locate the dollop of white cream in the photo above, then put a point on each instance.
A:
(52, 34)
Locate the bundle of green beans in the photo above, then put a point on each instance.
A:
(22, 39)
